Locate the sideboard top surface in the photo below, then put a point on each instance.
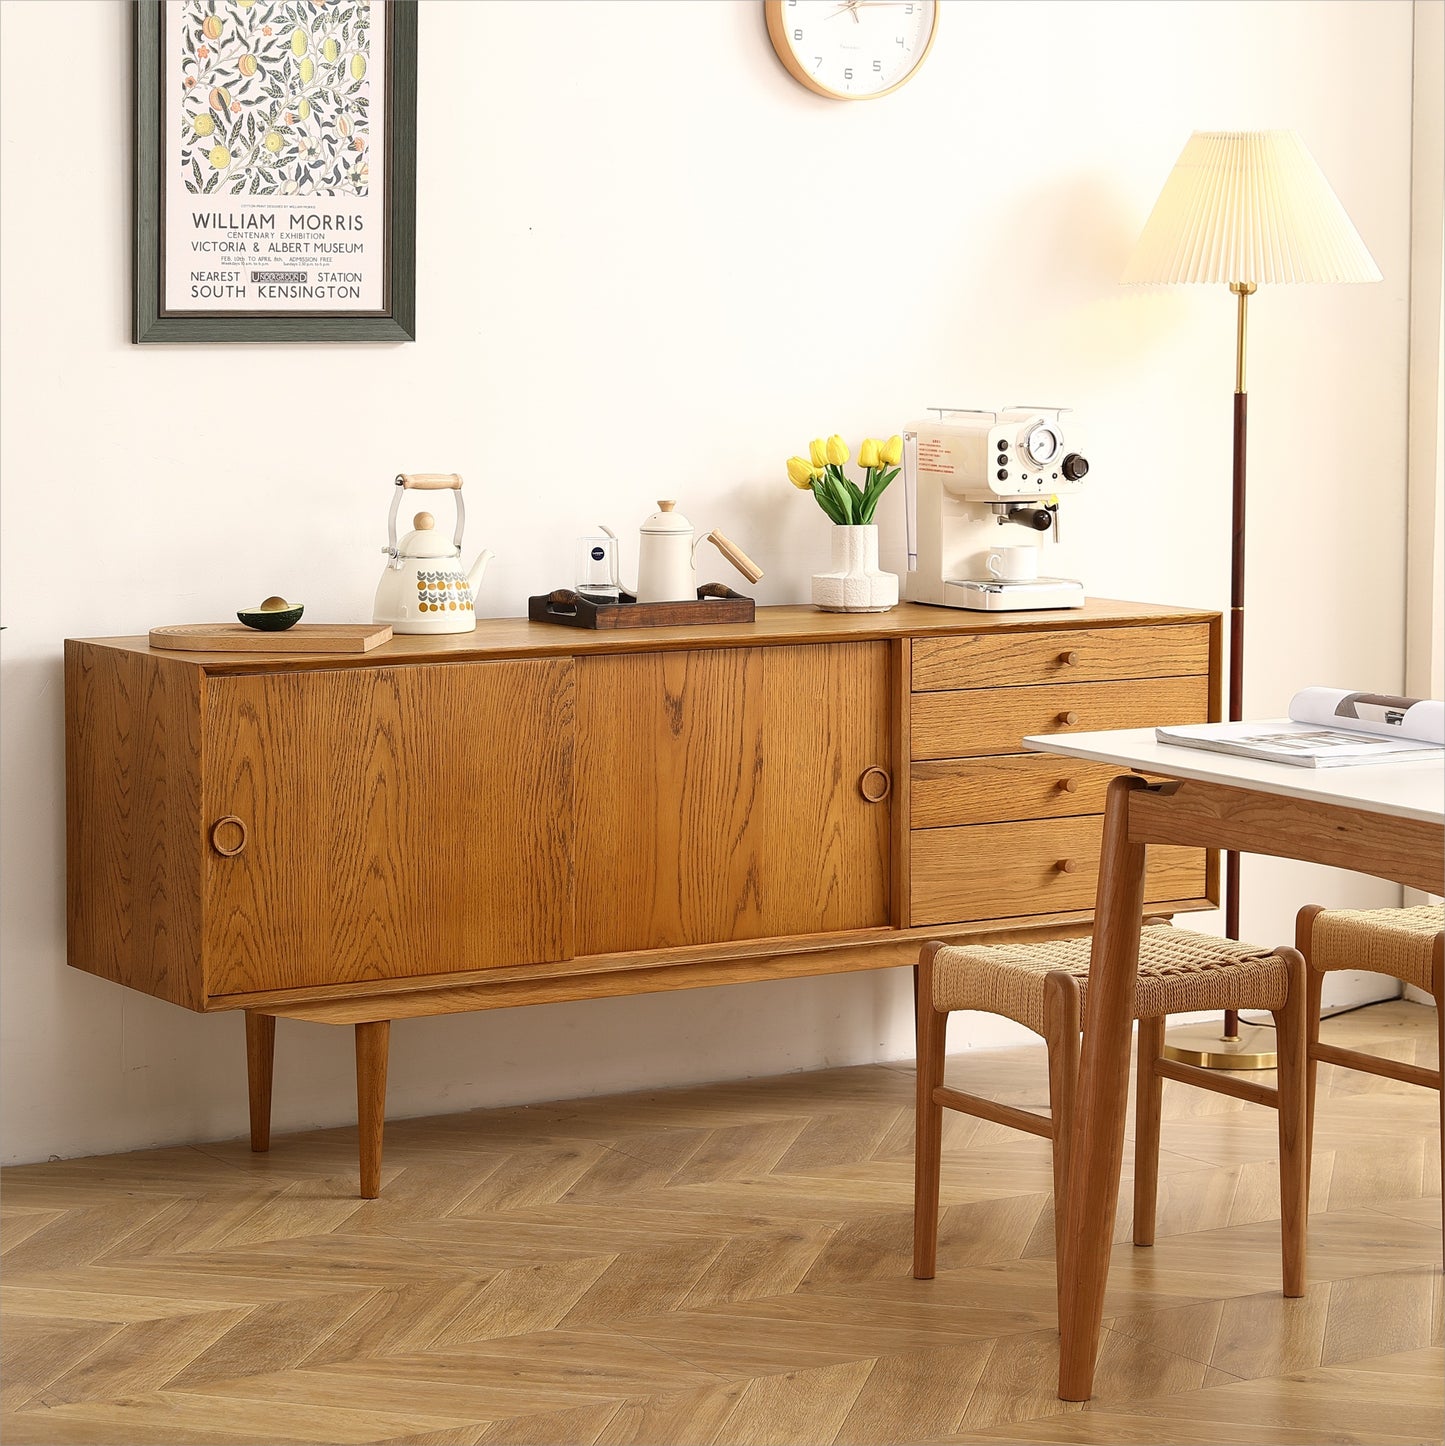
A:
(497, 638)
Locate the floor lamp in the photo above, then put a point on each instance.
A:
(1243, 209)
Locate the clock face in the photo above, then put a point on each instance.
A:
(851, 49)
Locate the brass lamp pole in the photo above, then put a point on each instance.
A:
(1243, 208)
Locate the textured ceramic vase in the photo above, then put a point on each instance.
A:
(854, 584)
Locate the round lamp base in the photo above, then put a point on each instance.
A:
(1206, 1046)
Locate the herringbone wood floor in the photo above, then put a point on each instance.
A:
(728, 1265)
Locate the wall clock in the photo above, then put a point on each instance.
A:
(851, 49)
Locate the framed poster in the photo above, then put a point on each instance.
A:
(275, 170)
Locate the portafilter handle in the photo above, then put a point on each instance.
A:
(1040, 518)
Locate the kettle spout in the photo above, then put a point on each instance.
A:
(474, 577)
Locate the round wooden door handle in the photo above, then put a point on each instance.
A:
(875, 784)
(1068, 785)
(220, 826)
(1068, 658)
(1068, 717)
(1067, 866)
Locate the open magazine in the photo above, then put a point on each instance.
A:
(1328, 728)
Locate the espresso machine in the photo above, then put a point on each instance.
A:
(977, 482)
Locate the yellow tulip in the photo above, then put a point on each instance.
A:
(891, 452)
(800, 473)
(837, 450)
(868, 453)
(818, 451)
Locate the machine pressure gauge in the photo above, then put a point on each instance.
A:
(1041, 444)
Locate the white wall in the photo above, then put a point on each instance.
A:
(650, 264)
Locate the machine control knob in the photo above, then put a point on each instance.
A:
(1075, 467)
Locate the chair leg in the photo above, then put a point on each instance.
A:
(1291, 1032)
(1061, 1035)
(932, 1029)
(1149, 1099)
(1314, 986)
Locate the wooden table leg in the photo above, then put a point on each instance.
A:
(1102, 1097)
(260, 1060)
(372, 1040)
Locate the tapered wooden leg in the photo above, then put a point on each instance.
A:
(260, 1062)
(1314, 987)
(1061, 1034)
(1148, 1101)
(1439, 992)
(371, 1046)
(1101, 1103)
(928, 1114)
(1290, 1035)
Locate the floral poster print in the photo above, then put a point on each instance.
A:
(273, 152)
(275, 98)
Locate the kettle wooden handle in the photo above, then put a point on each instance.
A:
(430, 481)
(735, 555)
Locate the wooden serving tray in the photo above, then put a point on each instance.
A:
(301, 638)
(715, 604)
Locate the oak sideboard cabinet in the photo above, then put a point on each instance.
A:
(529, 813)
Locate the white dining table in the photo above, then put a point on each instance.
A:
(1382, 819)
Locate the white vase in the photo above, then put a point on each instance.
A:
(854, 584)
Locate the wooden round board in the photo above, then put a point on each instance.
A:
(302, 638)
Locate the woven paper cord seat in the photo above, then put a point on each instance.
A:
(1044, 986)
(1408, 944)
(1179, 972)
(1398, 942)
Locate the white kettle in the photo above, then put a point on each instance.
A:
(424, 589)
(667, 557)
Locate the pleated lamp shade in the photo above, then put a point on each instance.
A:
(1242, 206)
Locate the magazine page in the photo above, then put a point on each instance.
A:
(1422, 719)
(1282, 740)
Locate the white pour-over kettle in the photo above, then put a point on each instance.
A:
(667, 557)
(424, 589)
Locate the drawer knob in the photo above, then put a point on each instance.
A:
(875, 784)
(228, 835)
(1069, 658)
(1069, 716)
(1067, 866)
(1068, 785)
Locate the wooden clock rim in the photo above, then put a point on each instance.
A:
(778, 34)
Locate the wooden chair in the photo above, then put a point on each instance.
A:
(1406, 943)
(1044, 987)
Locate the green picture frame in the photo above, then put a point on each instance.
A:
(394, 322)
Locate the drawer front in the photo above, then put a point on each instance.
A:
(1077, 655)
(995, 790)
(971, 724)
(1007, 870)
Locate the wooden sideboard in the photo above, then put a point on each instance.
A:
(529, 813)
